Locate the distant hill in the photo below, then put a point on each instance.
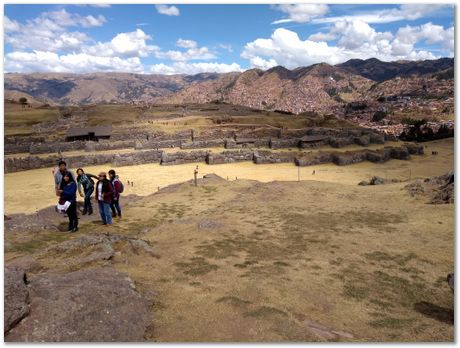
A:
(320, 87)
(377, 70)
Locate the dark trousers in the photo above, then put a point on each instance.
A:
(115, 206)
(72, 214)
(88, 207)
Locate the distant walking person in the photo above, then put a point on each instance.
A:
(104, 192)
(68, 193)
(118, 188)
(85, 180)
(59, 174)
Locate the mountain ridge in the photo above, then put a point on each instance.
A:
(318, 87)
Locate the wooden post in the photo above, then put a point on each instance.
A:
(195, 173)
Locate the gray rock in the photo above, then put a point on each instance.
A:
(16, 298)
(27, 263)
(376, 180)
(208, 224)
(90, 305)
(451, 281)
(362, 140)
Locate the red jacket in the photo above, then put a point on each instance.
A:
(107, 190)
(116, 188)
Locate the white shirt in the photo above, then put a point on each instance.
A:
(99, 192)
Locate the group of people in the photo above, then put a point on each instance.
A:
(107, 193)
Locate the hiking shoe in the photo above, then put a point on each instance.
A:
(90, 212)
(74, 230)
(84, 212)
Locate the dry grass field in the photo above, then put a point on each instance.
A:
(266, 258)
(19, 120)
(148, 177)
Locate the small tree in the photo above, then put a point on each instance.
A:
(23, 102)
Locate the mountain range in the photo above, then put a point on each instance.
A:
(320, 87)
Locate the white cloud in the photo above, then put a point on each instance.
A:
(322, 36)
(132, 44)
(193, 53)
(168, 10)
(301, 13)
(48, 32)
(186, 43)
(226, 47)
(408, 36)
(91, 21)
(100, 5)
(404, 12)
(260, 63)
(41, 61)
(355, 39)
(10, 26)
(193, 68)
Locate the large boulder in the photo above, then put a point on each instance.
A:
(362, 140)
(340, 142)
(16, 297)
(400, 153)
(89, 305)
(376, 138)
(414, 149)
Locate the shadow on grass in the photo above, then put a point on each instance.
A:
(445, 315)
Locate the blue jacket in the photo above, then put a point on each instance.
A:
(69, 192)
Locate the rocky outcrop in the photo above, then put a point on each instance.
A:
(16, 298)
(199, 144)
(264, 157)
(34, 162)
(351, 157)
(377, 180)
(284, 143)
(20, 144)
(50, 147)
(92, 250)
(437, 189)
(340, 142)
(245, 143)
(89, 305)
(229, 157)
(158, 144)
(320, 158)
(182, 157)
(103, 145)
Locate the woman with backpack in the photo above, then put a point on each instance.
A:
(69, 194)
(117, 189)
(87, 182)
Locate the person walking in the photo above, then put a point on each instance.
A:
(85, 180)
(69, 194)
(104, 193)
(117, 190)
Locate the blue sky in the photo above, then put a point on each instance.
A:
(169, 39)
